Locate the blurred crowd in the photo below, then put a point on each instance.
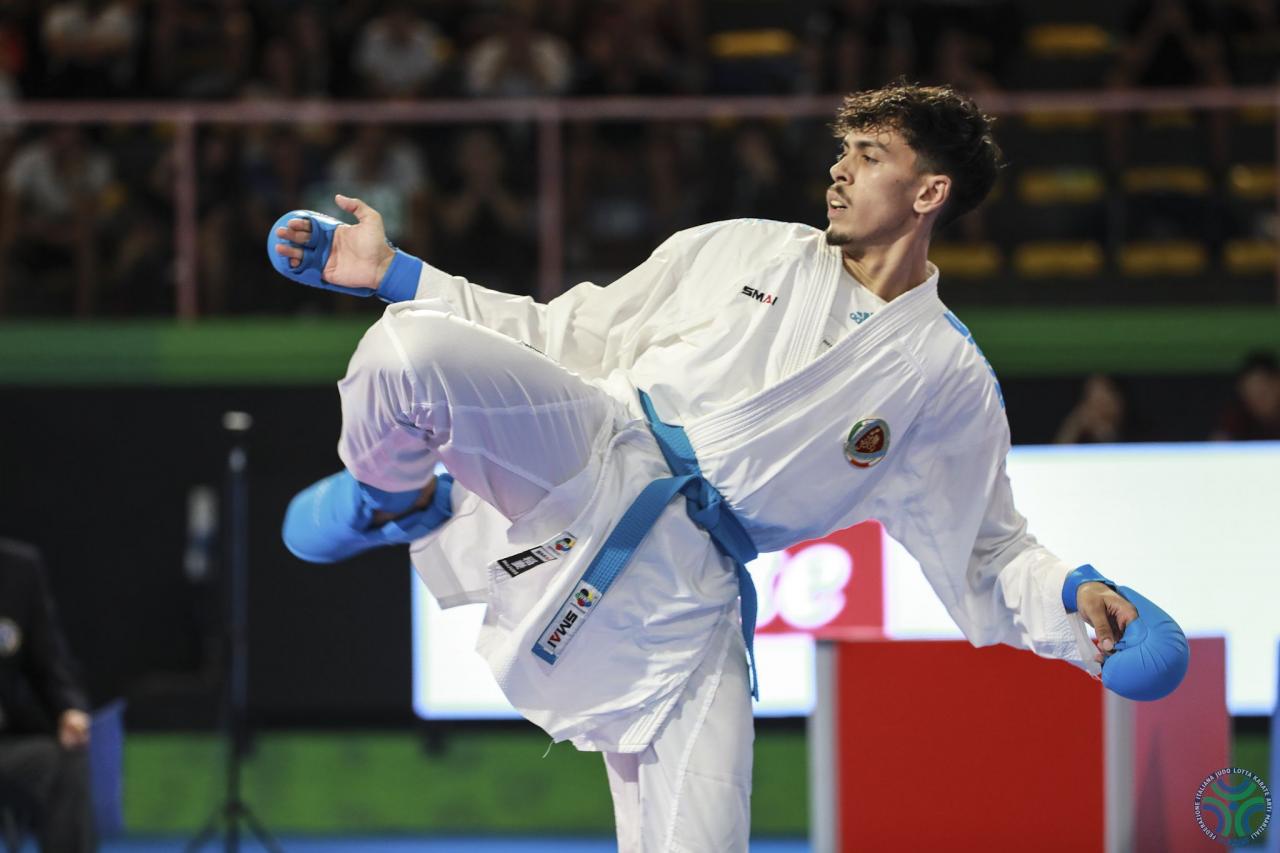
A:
(87, 210)
(227, 49)
(1106, 413)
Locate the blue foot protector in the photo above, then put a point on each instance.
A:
(315, 252)
(1151, 657)
(330, 520)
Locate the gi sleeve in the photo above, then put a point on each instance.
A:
(48, 661)
(589, 329)
(997, 582)
(1017, 585)
(519, 317)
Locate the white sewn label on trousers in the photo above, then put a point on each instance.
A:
(567, 623)
(548, 552)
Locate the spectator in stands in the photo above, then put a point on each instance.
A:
(137, 270)
(960, 58)
(622, 53)
(91, 47)
(390, 169)
(53, 193)
(398, 54)
(1100, 416)
(276, 175)
(1254, 414)
(958, 61)
(293, 66)
(485, 210)
(517, 60)
(623, 189)
(1251, 31)
(13, 64)
(15, 49)
(462, 22)
(217, 197)
(1171, 43)
(44, 720)
(279, 171)
(201, 48)
(860, 44)
(755, 181)
(674, 28)
(8, 132)
(624, 177)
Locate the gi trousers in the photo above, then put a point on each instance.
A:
(690, 790)
(56, 780)
(510, 424)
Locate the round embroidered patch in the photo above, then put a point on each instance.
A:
(868, 442)
(10, 637)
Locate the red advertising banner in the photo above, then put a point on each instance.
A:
(830, 587)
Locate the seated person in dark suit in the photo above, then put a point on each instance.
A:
(44, 727)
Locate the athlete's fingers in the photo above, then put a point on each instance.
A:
(1095, 613)
(1109, 613)
(362, 211)
(1120, 612)
(1114, 633)
(293, 253)
(300, 224)
(1126, 612)
(293, 235)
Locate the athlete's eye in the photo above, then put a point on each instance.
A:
(869, 159)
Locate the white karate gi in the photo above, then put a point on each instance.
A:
(723, 327)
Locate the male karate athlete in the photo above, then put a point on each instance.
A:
(617, 454)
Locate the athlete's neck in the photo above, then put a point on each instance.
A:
(889, 271)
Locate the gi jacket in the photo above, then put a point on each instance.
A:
(902, 421)
(37, 676)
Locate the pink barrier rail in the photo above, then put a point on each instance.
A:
(549, 116)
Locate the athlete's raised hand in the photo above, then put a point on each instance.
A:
(1108, 612)
(357, 255)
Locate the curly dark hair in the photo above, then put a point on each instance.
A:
(948, 132)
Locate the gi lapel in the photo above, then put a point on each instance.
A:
(894, 321)
(811, 300)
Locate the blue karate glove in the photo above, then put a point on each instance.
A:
(399, 283)
(330, 520)
(315, 252)
(1152, 656)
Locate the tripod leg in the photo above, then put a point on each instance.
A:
(206, 834)
(259, 831)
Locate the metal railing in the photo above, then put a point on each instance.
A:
(549, 117)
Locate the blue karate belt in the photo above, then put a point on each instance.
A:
(705, 506)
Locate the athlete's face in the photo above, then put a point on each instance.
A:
(878, 192)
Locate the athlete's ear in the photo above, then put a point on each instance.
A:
(933, 194)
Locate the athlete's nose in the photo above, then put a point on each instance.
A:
(840, 173)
